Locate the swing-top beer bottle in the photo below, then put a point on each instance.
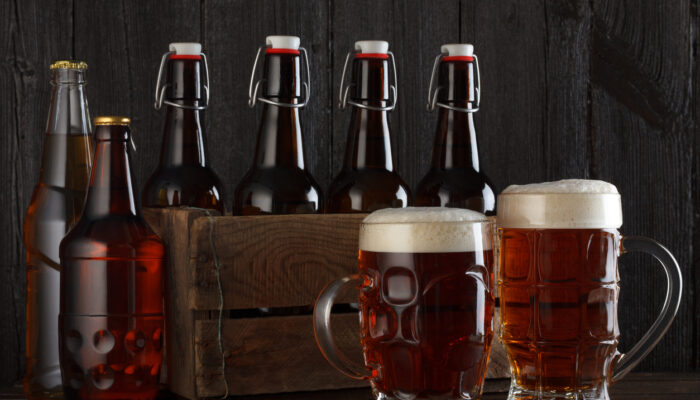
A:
(368, 180)
(278, 181)
(455, 178)
(183, 176)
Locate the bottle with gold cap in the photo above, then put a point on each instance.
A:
(183, 176)
(455, 178)
(111, 305)
(368, 180)
(56, 204)
(279, 181)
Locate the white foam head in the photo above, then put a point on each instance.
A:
(186, 48)
(565, 204)
(457, 49)
(372, 46)
(425, 230)
(283, 42)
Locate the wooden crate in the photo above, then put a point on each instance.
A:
(265, 261)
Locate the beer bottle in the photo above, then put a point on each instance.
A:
(56, 204)
(368, 180)
(278, 182)
(455, 178)
(183, 176)
(111, 304)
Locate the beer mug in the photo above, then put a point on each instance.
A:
(426, 304)
(559, 285)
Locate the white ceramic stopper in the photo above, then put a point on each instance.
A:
(186, 48)
(457, 50)
(372, 46)
(283, 42)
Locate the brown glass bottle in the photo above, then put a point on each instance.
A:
(55, 206)
(455, 178)
(183, 176)
(111, 296)
(368, 180)
(279, 182)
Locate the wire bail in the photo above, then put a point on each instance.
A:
(253, 97)
(344, 90)
(160, 89)
(433, 95)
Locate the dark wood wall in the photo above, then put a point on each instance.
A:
(571, 88)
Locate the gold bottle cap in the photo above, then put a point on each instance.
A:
(72, 64)
(112, 120)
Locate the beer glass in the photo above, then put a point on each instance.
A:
(426, 304)
(559, 285)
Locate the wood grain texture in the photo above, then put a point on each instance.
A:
(646, 150)
(695, 196)
(272, 261)
(32, 36)
(179, 330)
(123, 43)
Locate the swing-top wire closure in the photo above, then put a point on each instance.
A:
(160, 89)
(253, 96)
(433, 95)
(344, 90)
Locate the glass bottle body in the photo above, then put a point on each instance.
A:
(183, 176)
(111, 294)
(56, 204)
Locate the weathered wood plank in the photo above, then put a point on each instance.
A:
(32, 35)
(123, 43)
(509, 38)
(272, 261)
(695, 196)
(646, 150)
(233, 32)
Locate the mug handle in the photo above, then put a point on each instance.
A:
(322, 327)
(674, 289)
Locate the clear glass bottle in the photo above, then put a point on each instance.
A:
(55, 206)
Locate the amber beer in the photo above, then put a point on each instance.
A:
(559, 286)
(426, 303)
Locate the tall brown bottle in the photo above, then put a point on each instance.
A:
(183, 176)
(55, 206)
(368, 180)
(455, 178)
(278, 182)
(111, 295)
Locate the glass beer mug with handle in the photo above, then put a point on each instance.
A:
(426, 304)
(559, 285)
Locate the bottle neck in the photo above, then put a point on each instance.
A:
(455, 141)
(67, 151)
(183, 137)
(369, 140)
(279, 137)
(111, 182)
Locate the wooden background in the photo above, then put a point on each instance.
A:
(580, 88)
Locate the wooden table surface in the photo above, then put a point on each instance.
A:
(639, 386)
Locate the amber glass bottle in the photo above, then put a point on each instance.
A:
(111, 303)
(455, 178)
(183, 176)
(368, 180)
(56, 204)
(279, 182)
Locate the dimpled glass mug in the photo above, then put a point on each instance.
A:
(426, 304)
(559, 286)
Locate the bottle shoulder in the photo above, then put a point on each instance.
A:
(112, 236)
(367, 190)
(277, 191)
(462, 188)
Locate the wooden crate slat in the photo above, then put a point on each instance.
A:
(275, 354)
(273, 261)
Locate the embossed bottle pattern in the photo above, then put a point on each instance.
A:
(562, 299)
(111, 308)
(426, 329)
